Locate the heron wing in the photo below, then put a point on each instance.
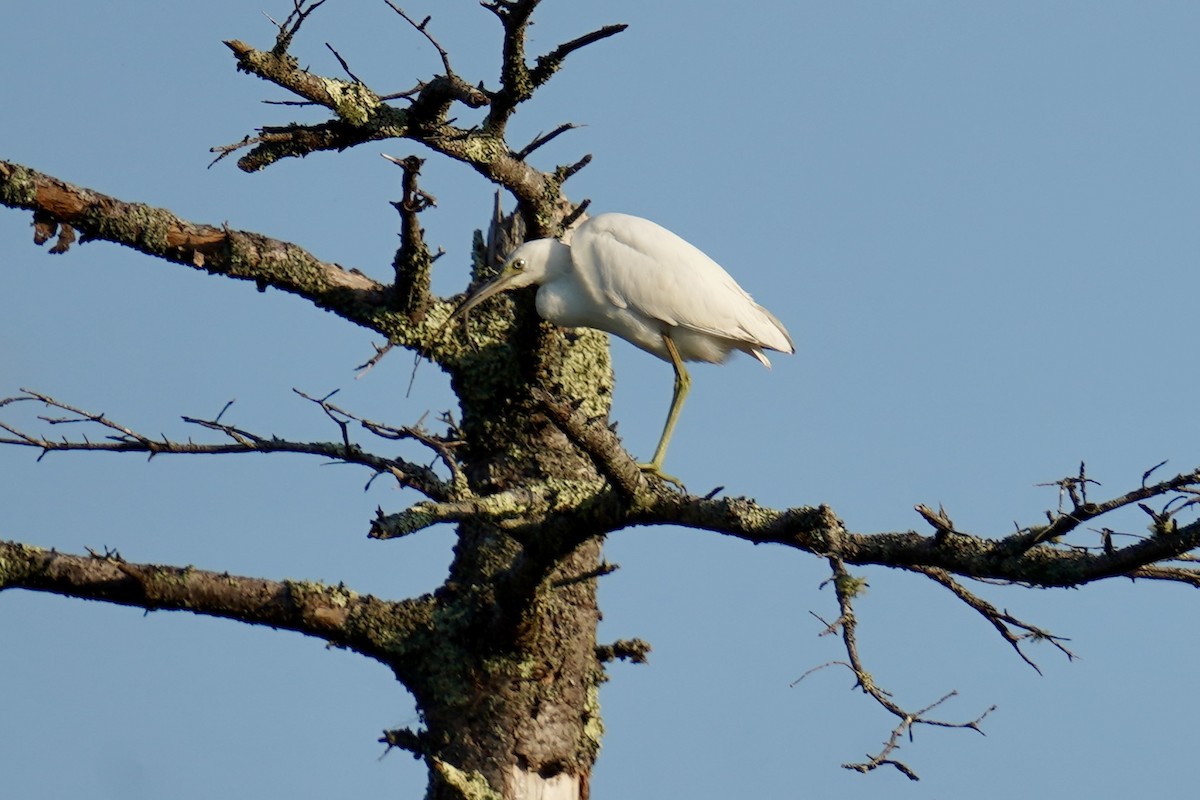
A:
(636, 264)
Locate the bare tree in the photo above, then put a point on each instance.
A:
(503, 658)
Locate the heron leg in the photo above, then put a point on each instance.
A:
(683, 382)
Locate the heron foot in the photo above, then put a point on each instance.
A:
(655, 470)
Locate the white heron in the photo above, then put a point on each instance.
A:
(635, 279)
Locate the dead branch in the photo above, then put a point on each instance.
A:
(122, 439)
(1189, 577)
(508, 511)
(1082, 510)
(561, 174)
(577, 212)
(242, 255)
(943, 526)
(352, 101)
(275, 143)
(550, 63)
(442, 446)
(412, 262)
(1002, 621)
(330, 613)
(847, 587)
(517, 80)
(635, 651)
(362, 115)
(818, 530)
(380, 351)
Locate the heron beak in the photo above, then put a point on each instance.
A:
(494, 287)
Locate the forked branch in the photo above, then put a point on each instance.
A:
(847, 587)
(518, 80)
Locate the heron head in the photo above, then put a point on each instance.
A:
(525, 267)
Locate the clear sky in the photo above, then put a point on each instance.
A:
(979, 222)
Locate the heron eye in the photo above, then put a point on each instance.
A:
(519, 264)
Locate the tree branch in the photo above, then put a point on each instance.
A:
(412, 262)
(217, 250)
(275, 143)
(550, 63)
(353, 102)
(122, 439)
(517, 81)
(363, 116)
(601, 445)
(1084, 511)
(495, 509)
(818, 530)
(1002, 621)
(331, 613)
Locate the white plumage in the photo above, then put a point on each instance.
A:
(635, 279)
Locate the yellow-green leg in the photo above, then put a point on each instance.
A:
(683, 382)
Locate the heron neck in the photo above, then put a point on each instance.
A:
(558, 260)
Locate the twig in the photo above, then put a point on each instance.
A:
(562, 173)
(369, 364)
(541, 139)
(575, 214)
(342, 61)
(424, 31)
(291, 24)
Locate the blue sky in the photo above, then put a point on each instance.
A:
(978, 222)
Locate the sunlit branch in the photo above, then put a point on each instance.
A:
(331, 613)
(157, 232)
